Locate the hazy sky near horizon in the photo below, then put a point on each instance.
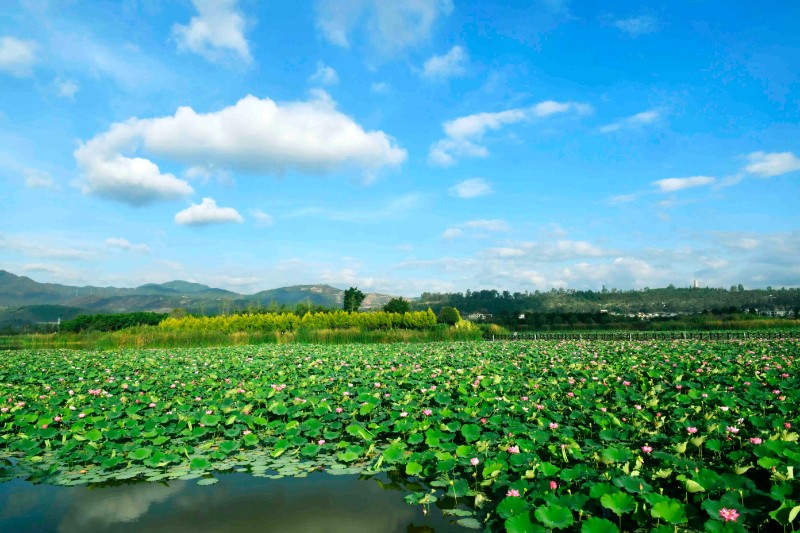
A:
(401, 146)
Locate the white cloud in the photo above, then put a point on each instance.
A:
(37, 179)
(622, 198)
(452, 233)
(471, 188)
(324, 75)
(46, 246)
(391, 26)
(633, 121)
(216, 32)
(491, 225)
(255, 136)
(449, 65)
(676, 184)
(132, 180)
(636, 26)
(391, 209)
(766, 165)
(262, 219)
(17, 56)
(66, 88)
(207, 213)
(124, 244)
(465, 133)
(487, 225)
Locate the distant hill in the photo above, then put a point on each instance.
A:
(19, 293)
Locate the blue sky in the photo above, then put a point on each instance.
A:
(402, 147)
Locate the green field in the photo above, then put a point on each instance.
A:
(575, 435)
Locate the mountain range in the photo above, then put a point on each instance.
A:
(24, 297)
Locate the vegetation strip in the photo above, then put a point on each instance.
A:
(530, 435)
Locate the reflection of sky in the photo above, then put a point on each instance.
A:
(319, 503)
(93, 509)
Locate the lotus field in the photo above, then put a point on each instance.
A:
(526, 436)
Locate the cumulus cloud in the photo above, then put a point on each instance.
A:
(38, 179)
(125, 245)
(254, 136)
(471, 188)
(676, 184)
(207, 213)
(464, 134)
(217, 32)
(324, 75)
(449, 65)
(633, 121)
(766, 165)
(17, 56)
(636, 26)
(391, 27)
(66, 88)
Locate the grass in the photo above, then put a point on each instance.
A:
(154, 337)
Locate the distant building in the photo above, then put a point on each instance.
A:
(479, 316)
(695, 285)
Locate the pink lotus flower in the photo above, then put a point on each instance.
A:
(732, 429)
(512, 492)
(729, 515)
(647, 449)
(44, 426)
(321, 442)
(209, 412)
(56, 419)
(787, 425)
(339, 409)
(427, 412)
(82, 415)
(553, 425)
(3, 409)
(513, 449)
(152, 404)
(755, 440)
(246, 432)
(483, 420)
(524, 398)
(553, 485)
(539, 406)
(403, 414)
(474, 461)
(692, 430)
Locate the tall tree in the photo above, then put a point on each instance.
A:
(397, 305)
(352, 299)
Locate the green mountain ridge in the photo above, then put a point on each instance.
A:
(17, 292)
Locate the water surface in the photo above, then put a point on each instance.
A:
(319, 503)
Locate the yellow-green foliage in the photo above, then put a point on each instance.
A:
(310, 321)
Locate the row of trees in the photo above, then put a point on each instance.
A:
(112, 322)
(312, 321)
(666, 300)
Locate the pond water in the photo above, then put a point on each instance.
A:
(319, 503)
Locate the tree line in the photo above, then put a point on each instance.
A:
(277, 322)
